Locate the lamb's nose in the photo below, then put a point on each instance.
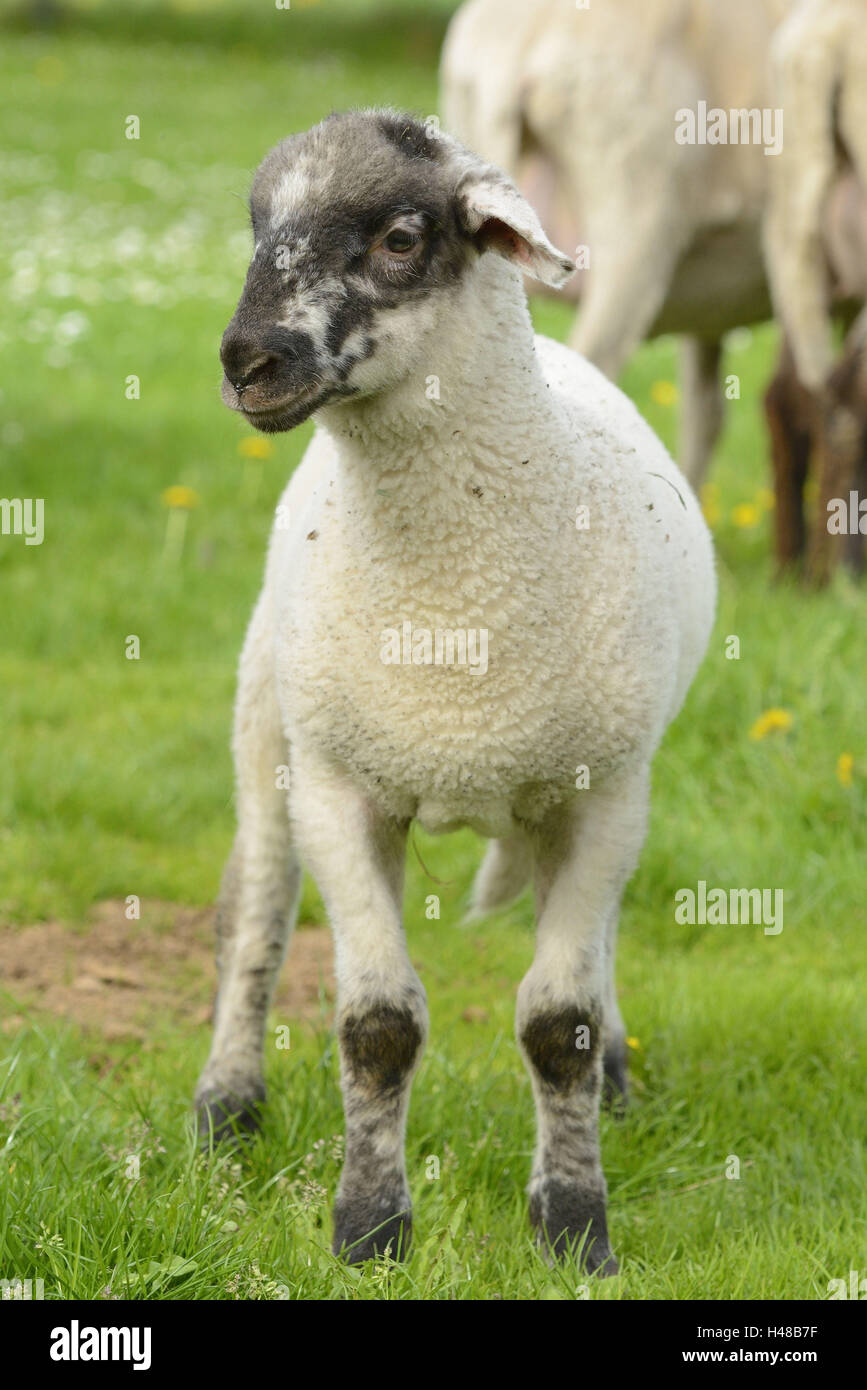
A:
(244, 360)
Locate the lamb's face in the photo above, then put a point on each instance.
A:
(356, 240)
(364, 228)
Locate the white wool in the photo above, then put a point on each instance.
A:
(448, 500)
(594, 634)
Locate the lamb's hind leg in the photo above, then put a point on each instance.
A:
(702, 408)
(503, 874)
(615, 1082)
(585, 855)
(256, 907)
(357, 858)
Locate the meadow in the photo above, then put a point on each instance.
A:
(121, 262)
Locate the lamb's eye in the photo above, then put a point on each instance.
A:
(400, 240)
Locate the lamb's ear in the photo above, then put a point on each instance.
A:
(492, 210)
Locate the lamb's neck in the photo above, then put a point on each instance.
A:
(469, 399)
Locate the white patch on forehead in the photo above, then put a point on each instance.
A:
(290, 192)
(293, 189)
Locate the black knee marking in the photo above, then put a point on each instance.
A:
(562, 1045)
(380, 1046)
(571, 1220)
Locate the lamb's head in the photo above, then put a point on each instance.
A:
(365, 228)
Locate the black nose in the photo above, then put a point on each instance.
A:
(245, 360)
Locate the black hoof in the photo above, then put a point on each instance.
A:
(362, 1231)
(571, 1224)
(228, 1119)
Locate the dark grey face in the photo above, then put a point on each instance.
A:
(357, 227)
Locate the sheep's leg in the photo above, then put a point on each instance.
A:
(256, 907)
(627, 284)
(852, 384)
(855, 542)
(702, 408)
(839, 446)
(842, 437)
(583, 859)
(788, 411)
(357, 859)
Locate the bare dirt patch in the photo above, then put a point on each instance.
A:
(116, 976)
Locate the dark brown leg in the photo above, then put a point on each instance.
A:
(841, 438)
(788, 413)
(855, 542)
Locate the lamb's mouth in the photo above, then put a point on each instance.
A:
(279, 416)
(294, 411)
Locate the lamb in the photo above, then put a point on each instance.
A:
(462, 476)
(581, 106)
(816, 245)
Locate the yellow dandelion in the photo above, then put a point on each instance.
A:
(634, 1044)
(253, 450)
(765, 499)
(180, 501)
(746, 514)
(845, 764)
(180, 496)
(255, 447)
(770, 721)
(664, 393)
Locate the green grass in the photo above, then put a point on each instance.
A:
(126, 257)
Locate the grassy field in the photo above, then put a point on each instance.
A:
(123, 258)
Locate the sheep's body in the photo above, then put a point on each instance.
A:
(443, 492)
(594, 635)
(580, 106)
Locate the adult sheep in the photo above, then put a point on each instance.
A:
(816, 244)
(581, 107)
(386, 257)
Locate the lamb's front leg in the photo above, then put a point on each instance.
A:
(357, 859)
(584, 856)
